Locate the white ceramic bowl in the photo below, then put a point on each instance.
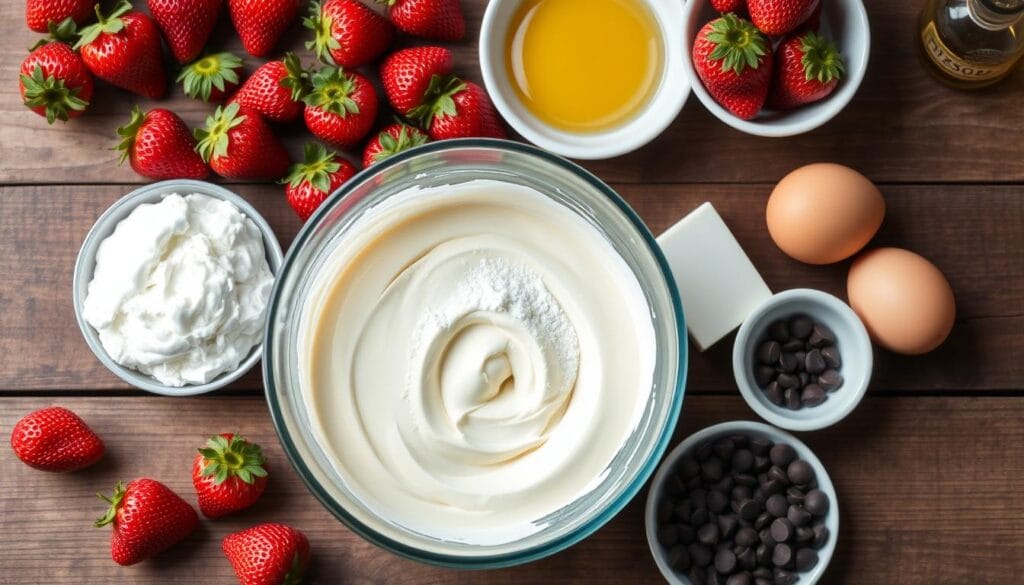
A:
(86, 263)
(843, 21)
(657, 492)
(660, 111)
(851, 340)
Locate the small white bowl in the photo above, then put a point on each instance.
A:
(843, 21)
(851, 340)
(753, 429)
(662, 108)
(86, 263)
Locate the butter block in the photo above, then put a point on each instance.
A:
(718, 284)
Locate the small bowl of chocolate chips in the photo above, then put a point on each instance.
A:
(802, 360)
(742, 503)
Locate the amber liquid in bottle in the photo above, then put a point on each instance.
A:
(970, 44)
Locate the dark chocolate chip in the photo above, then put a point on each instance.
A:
(682, 510)
(798, 515)
(768, 352)
(700, 555)
(763, 581)
(738, 579)
(782, 454)
(724, 448)
(761, 463)
(727, 524)
(688, 467)
(782, 555)
(812, 395)
(774, 393)
(795, 495)
(714, 578)
(699, 517)
(745, 479)
(788, 381)
(804, 534)
(747, 536)
(742, 461)
(749, 510)
(704, 451)
(777, 505)
(805, 379)
(741, 492)
(793, 345)
(784, 577)
(766, 538)
(814, 362)
(664, 511)
(800, 326)
(678, 558)
(740, 441)
(820, 535)
(698, 575)
(763, 554)
(717, 501)
(698, 499)
(774, 486)
(821, 336)
(800, 472)
(759, 446)
(668, 535)
(674, 486)
(792, 398)
(779, 331)
(788, 363)
(832, 357)
(725, 484)
(778, 474)
(686, 533)
(763, 521)
(830, 380)
(725, 561)
(762, 572)
(781, 530)
(712, 468)
(806, 558)
(708, 534)
(816, 502)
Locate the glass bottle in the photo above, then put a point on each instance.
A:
(970, 44)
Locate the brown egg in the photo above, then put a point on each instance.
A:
(824, 212)
(904, 301)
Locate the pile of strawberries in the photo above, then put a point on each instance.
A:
(339, 105)
(778, 59)
(229, 475)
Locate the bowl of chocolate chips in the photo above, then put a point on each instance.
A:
(742, 503)
(802, 360)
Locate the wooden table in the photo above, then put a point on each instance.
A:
(928, 469)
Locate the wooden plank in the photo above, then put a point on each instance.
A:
(902, 126)
(927, 494)
(41, 229)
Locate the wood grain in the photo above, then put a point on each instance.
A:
(42, 227)
(902, 126)
(927, 495)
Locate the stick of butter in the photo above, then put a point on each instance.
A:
(718, 284)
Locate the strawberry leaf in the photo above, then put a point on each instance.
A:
(821, 59)
(738, 43)
(52, 94)
(110, 25)
(128, 133)
(237, 457)
(211, 71)
(214, 138)
(316, 169)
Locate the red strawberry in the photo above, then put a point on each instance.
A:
(161, 146)
(55, 439)
(392, 140)
(440, 20)
(229, 475)
(238, 144)
(461, 110)
(275, 90)
(342, 107)
(407, 75)
(310, 182)
(813, 21)
(347, 33)
(148, 518)
(55, 83)
(124, 50)
(212, 77)
(778, 17)
(186, 24)
(267, 554)
(724, 6)
(40, 14)
(734, 62)
(260, 23)
(807, 68)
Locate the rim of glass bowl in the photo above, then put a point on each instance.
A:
(611, 507)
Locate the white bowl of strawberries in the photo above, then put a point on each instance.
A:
(775, 67)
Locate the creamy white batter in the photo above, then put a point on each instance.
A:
(473, 357)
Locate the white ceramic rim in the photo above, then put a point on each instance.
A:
(829, 412)
(826, 110)
(86, 262)
(652, 120)
(725, 429)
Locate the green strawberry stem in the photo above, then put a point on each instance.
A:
(316, 168)
(738, 43)
(408, 137)
(128, 133)
(115, 504)
(213, 139)
(821, 59)
(111, 24)
(65, 31)
(52, 94)
(212, 71)
(437, 101)
(297, 79)
(295, 572)
(332, 88)
(235, 458)
(323, 41)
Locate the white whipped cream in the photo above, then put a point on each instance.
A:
(180, 289)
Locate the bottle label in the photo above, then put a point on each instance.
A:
(952, 64)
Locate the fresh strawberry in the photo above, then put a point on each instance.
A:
(212, 77)
(342, 107)
(440, 20)
(723, 6)
(392, 140)
(186, 24)
(55, 439)
(310, 182)
(267, 554)
(40, 14)
(238, 144)
(778, 17)
(160, 146)
(807, 69)
(407, 76)
(123, 49)
(461, 110)
(347, 33)
(813, 21)
(148, 518)
(260, 23)
(229, 475)
(734, 62)
(55, 83)
(275, 90)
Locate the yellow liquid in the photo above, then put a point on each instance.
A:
(584, 65)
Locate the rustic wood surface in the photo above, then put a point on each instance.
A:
(927, 469)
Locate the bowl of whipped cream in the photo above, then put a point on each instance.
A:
(172, 285)
(475, 353)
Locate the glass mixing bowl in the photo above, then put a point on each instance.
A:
(453, 162)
